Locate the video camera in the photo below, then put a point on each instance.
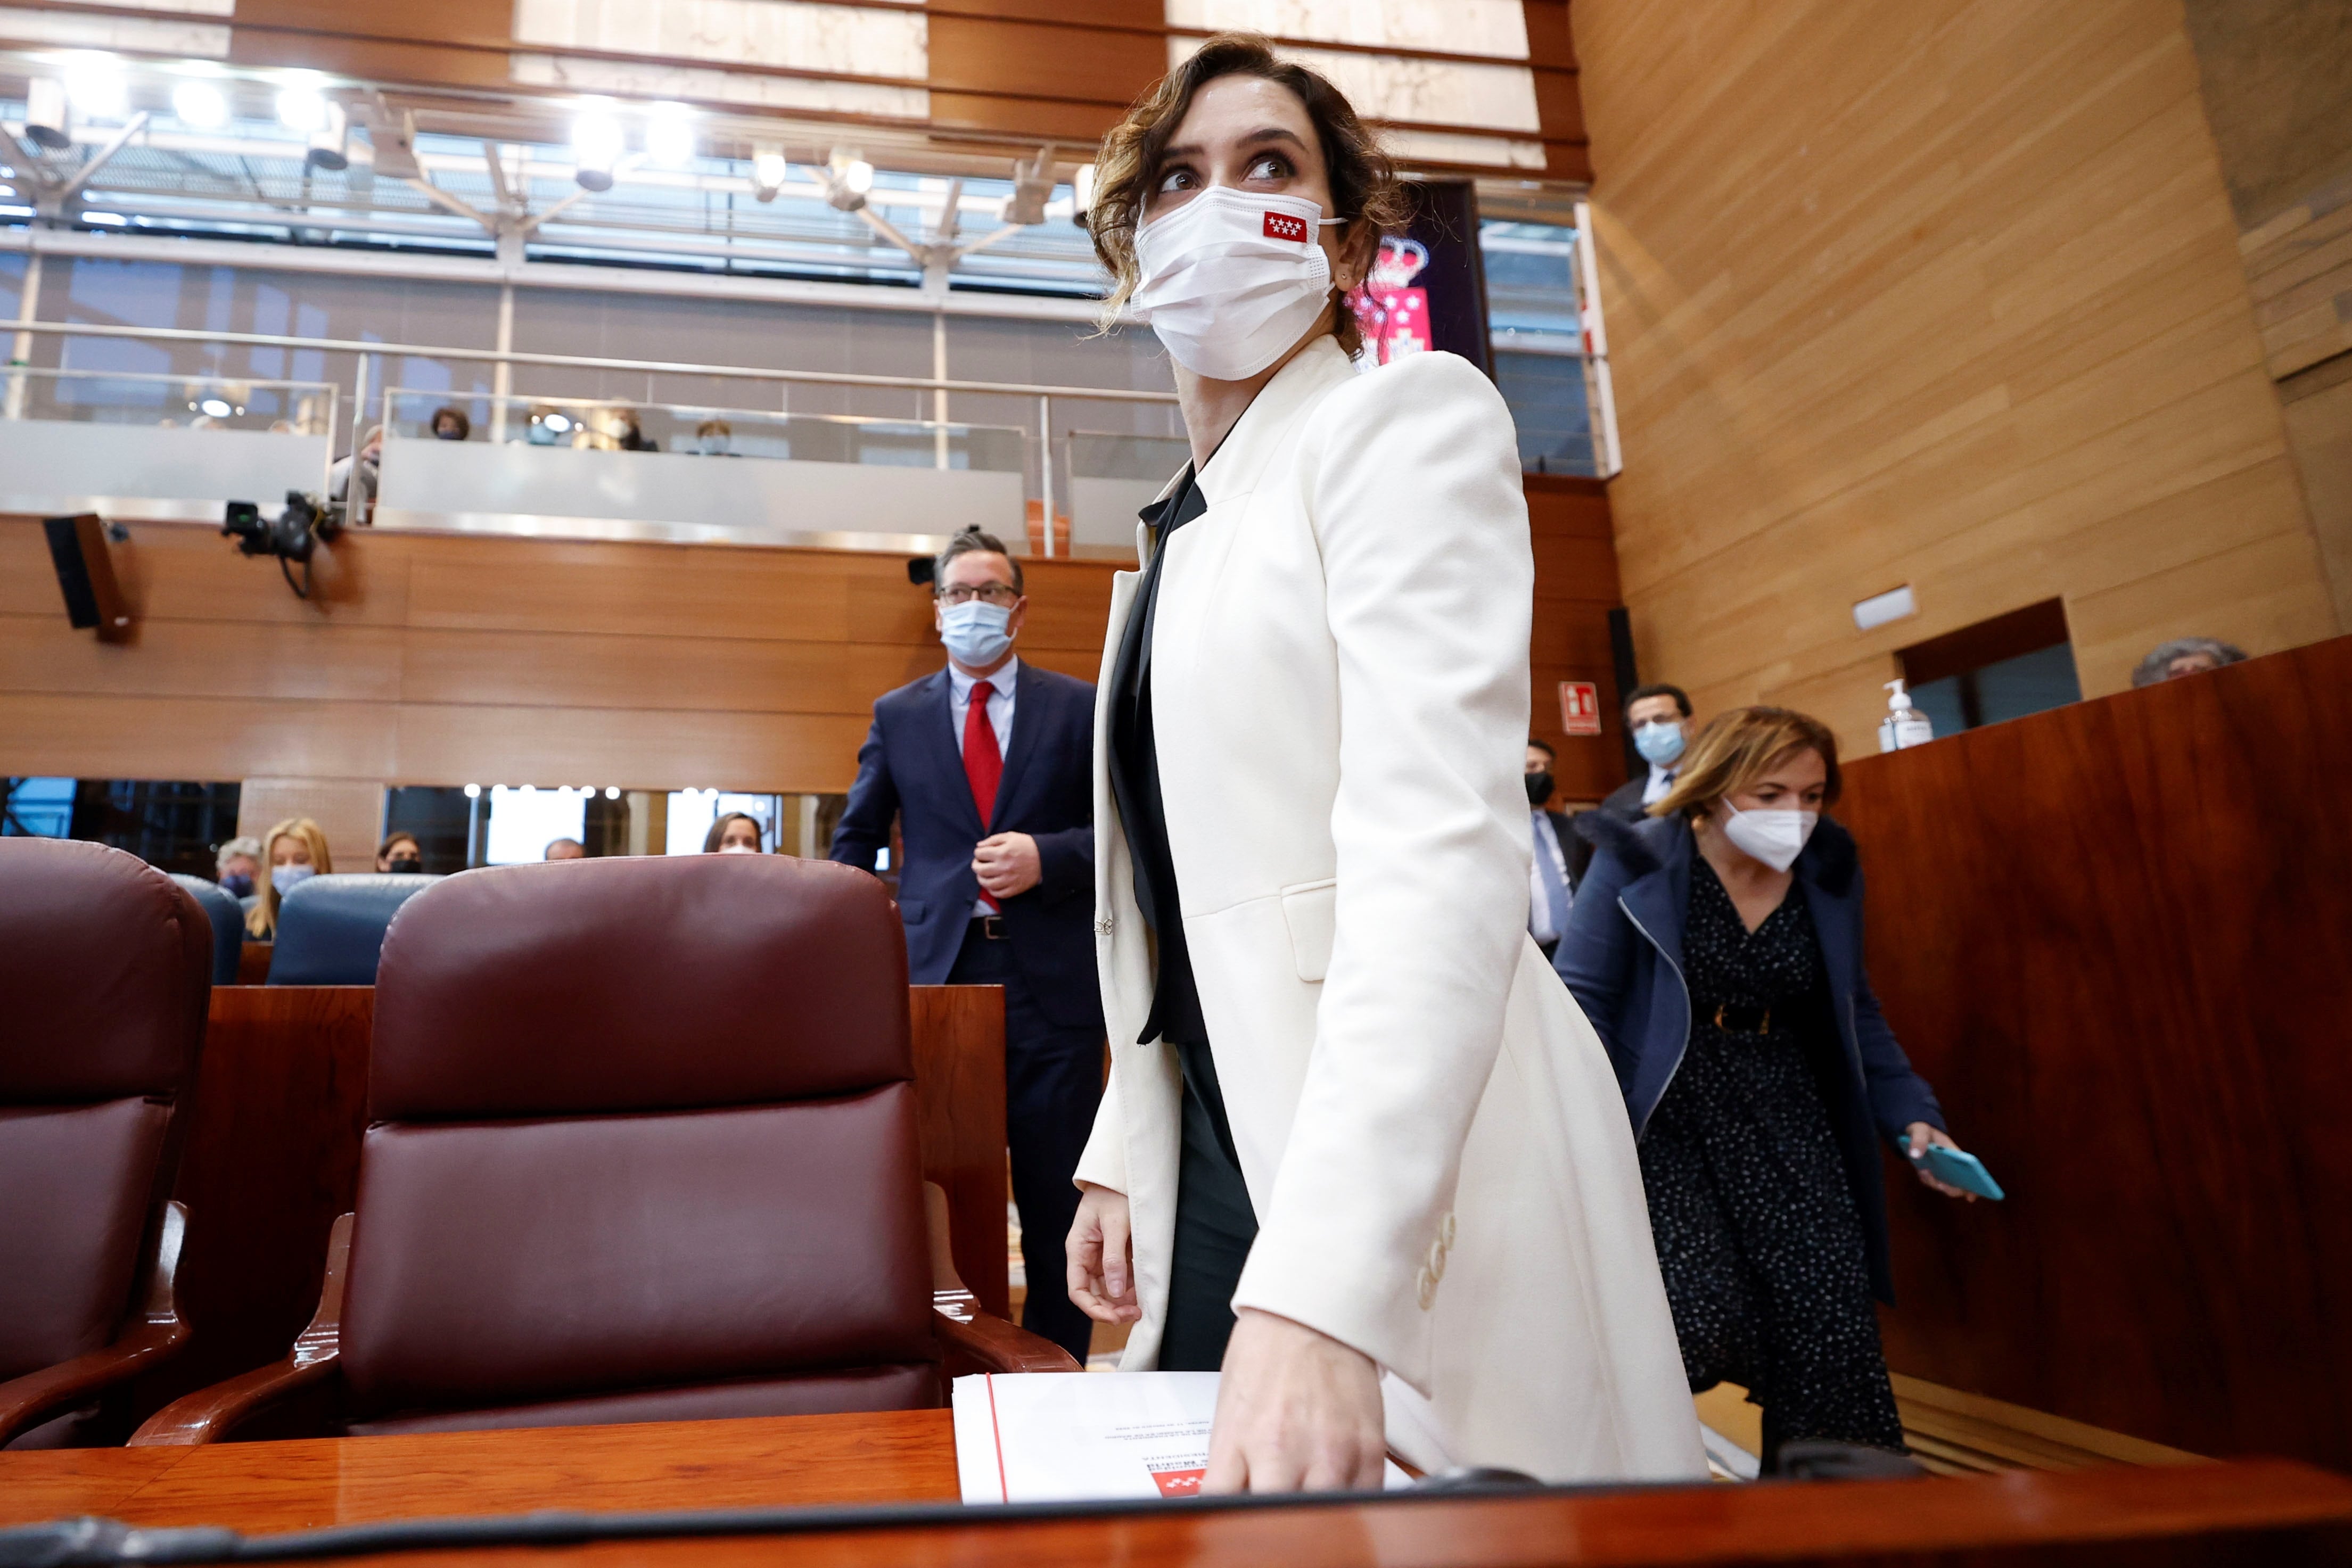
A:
(291, 535)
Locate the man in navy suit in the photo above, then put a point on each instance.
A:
(988, 764)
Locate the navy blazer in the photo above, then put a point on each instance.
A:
(1622, 959)
(911, 767)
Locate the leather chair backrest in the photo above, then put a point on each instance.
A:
(641, 1146)
(228, 925)
(105, 975)
(330, 928)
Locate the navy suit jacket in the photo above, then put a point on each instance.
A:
(911, 767)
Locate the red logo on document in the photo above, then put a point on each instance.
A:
(1178, 1483)
(1579, 708)
(1282, 225)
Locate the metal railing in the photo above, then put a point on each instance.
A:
(1046, 396)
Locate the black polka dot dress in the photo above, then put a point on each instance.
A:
(1758, 1236)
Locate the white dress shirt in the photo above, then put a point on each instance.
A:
(1545, 868)
(1661, 780)
(1000, 720)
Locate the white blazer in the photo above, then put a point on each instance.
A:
(1433, 1141)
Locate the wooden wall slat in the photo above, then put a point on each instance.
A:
(1947, 294)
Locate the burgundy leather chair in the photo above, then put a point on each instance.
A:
(105, 976)
(641, 1146)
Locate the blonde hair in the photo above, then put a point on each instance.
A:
(1741, 746)
(1365, 190)
(262, 921)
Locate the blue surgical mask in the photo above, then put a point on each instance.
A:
(974, 631)
(284, 877)
(1658, 742)
(236, 885)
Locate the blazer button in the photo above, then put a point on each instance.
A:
(1102, 925)
(1446, 1232)
(1428, 1284)
(1436, 1270)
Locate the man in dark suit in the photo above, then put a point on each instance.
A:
(1557, 866)
(1659, 719)
(988, 766)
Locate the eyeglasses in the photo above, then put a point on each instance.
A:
(994, 592)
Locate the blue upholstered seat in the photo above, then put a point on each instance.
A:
(330, 928)
(228, 925)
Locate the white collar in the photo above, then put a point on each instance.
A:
(1001, 681)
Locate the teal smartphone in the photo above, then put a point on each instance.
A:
(1956, 1167)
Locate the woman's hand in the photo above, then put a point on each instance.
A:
(1921, 1136)
(1101, 1256)
(1296, 1411)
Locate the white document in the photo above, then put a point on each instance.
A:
(1083, 1437)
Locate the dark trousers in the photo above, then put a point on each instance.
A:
(1052, 1082)
(1216, 1226)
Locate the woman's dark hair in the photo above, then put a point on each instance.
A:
(1364, 188)
(464, 425)
(710, 839)
(385, 848)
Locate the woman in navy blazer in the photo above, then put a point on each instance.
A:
(1758, 1070)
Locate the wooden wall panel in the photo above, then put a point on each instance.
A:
(1945, 294)
(436, 659)
(2118, 939)
(1576, 587)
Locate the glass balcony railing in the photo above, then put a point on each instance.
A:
(130, 445)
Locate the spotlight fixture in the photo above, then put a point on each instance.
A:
(49, 119)
(330, 144)
(611, 792)
(847, 179)
(302, 108)
(96, 88)
(768, 171)
(1082, 194)
(669, 134)
(200, 104)
(473, 792)
(597, 142)
(217, 407)
(1032, 187)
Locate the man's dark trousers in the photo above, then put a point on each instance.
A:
(1052, 1082)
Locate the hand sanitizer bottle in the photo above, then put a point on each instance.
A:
(1904, 725)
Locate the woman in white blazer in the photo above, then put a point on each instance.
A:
(1348, 1102)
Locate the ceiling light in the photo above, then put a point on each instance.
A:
(473, 792)
(611, 792)
(768, 171)
(330, 144)
(597, 142)
(95, 85)
(217, 407)
(530, 788)
(49, 122)
(1032, 187)
(302, 108)
(200, 104)
(556, 423)
(669, 134)
(851, 169)
(111, 219)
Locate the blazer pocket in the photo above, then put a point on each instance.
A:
(1310, 910)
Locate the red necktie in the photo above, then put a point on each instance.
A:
(983, 764)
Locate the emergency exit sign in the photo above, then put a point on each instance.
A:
(1579, 708)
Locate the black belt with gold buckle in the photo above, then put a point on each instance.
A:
(1733, 1018)
(992, 927)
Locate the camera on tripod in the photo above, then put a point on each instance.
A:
(291, 536)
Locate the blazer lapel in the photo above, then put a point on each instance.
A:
(1028, 718)
(952, 784)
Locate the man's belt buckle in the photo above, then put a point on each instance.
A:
(992, 927)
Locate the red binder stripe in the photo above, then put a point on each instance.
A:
(1003, 1490)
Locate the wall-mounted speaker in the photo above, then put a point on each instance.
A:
(86, 577)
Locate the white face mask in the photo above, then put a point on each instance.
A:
(1231, 281)
(1776, 838)
(739, 849)
(284, 877)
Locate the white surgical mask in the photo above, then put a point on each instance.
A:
(1231, 279)
(1776, 838)
(974, 631)
(739, 849)
(283, 877)
(1659, 742)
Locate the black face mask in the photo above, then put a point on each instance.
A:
(1539, 788)
(407, 865)
(236, 885)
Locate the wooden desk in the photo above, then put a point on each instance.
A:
(2262, 1510)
